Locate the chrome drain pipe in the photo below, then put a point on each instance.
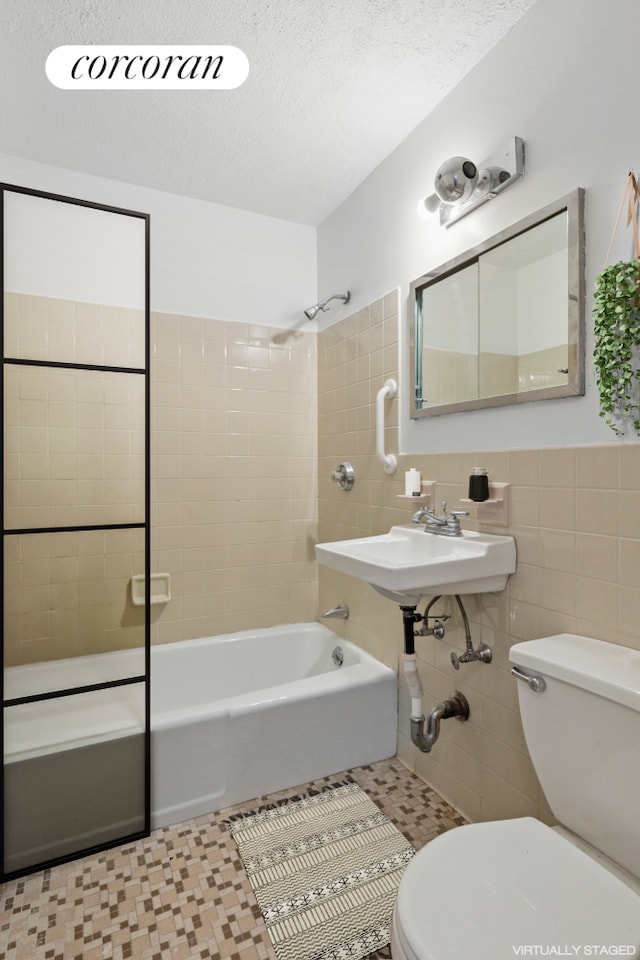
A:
(455, 706)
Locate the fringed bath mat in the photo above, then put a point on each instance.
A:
(325, 870)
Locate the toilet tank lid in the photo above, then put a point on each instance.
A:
(606, 669)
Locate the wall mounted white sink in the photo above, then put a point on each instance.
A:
(408, 563)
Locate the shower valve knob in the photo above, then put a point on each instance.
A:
(344, 476)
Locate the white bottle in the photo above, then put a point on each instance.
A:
(412, 483)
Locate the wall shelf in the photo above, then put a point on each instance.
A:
(427, 495)
(496, 509)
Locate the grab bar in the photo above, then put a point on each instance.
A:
(388, 460)
(537, 684)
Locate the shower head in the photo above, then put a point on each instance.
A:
(312, 312)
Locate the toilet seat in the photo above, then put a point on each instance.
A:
(486, 889)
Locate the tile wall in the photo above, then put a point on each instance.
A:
(575, 516)
(50, 328)
(451, 376)
(74, 447)
(497, 373)
(542, 368)
(67, 594)
(73, 455)
(234, 468)
(234, 489)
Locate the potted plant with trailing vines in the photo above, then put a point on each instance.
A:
(616, 317)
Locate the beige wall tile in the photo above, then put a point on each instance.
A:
(596, 602)
(597, 511)
(558, 591)
(524, 506)
(557, 550)
(557, 508)
(597, 467)
(524, 584)
(597, 557)
(629, 557)
(629, 611)
(67, 464)
(557, 468)
(629, 513)
(629, 466)
(244, 422)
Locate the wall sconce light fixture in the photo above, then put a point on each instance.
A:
(460, 185)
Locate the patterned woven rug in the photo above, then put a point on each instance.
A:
(325, 870)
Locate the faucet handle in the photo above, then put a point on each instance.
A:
(453, 523)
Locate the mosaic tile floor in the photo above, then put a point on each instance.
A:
(181, 894)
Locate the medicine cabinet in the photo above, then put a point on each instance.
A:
(503, 323)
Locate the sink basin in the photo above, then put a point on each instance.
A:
(408, 563)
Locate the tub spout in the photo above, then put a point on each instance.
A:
(341, 612)
(456, 706)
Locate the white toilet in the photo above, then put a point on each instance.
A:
(495, 891)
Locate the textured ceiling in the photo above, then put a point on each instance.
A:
(333, 88)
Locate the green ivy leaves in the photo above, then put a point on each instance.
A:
(616, 355)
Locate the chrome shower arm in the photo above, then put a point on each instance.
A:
(312, 312)
(335, 296)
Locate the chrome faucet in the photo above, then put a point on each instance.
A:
(447, 524)
(340, 612)
(419, 514)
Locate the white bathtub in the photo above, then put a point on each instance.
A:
(245, 714)
(233, 717)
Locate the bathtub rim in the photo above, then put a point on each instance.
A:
(365, 671)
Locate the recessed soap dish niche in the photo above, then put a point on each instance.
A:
(160, 588)
(496, 509)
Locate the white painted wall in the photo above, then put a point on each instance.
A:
(450, 313)
(498, 307)
(541, 299)
(72, 253)
(207, 260)
(561, 81)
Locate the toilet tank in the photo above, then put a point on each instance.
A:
(583, 735)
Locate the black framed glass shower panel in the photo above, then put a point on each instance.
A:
(76, 527)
